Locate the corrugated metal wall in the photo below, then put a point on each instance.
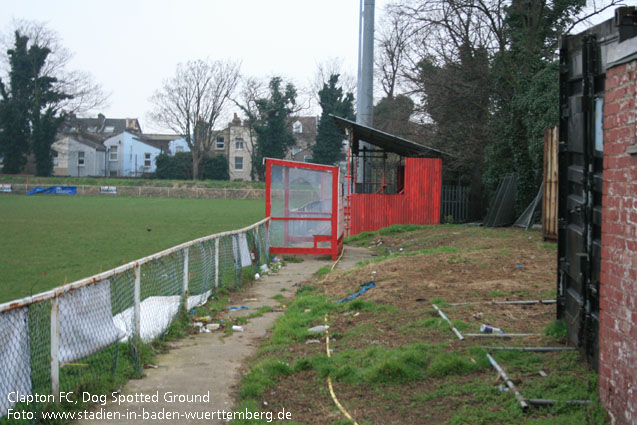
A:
(419, 204)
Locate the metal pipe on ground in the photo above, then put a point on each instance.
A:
(547, 402)
(519, 302)
(509, 383)
(523, 302)
(453, 328)
(499, 335)
(534, 349)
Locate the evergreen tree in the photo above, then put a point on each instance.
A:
(328, 147)
(274, 136)
(392, 115)
(27, 109)
(525, 93)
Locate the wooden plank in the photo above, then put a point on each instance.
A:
(550, 195)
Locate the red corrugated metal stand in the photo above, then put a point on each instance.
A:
(418, 204)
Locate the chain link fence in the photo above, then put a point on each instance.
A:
(84, 336)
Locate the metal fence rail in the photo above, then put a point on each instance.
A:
(455, 203)
(70, 338)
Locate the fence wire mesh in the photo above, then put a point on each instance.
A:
(88, 335)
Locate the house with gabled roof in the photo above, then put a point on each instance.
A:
(79, 149)
(78, 156)
(100, 126)
(128, 155)
(304, 130)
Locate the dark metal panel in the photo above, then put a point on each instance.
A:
(583, 63)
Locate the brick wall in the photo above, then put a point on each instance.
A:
(618, 290)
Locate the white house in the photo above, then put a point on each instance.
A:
(78, 156)
(178, 145)
(129, 156)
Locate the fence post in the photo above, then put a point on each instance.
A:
(216, 263)
(236, 255)
(257, 244)
(138, 296)
(55, 349)
(185, 290)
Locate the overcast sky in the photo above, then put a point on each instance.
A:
(131, 46)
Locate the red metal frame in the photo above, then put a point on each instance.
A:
(336, 240)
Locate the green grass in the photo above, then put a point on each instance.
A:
(50, 240)
(322, 271)
(396, 228)
(557, 330)
(453, 380)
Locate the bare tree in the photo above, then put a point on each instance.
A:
(251, 90)
(191, 102)
(395, 37)
(85, 94)
(327, 68)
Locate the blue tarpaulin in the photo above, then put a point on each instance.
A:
(54, 190)
(365, 287)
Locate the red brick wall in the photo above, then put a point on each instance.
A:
(618, 291)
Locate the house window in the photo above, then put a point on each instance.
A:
(179, 149)
(307, 158)
(238, 163)
(113, 173)
(221, 144)
(147, 162)
(112, 156)
(238, 144)
(80, 159)
(297, 127)
(55, 158)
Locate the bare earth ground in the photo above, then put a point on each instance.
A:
(441, 265)
(210, 362)
(444, 264)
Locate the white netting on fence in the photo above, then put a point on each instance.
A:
(14, 356)
(71, 337)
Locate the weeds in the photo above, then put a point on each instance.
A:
(557, 330)
(323, 271)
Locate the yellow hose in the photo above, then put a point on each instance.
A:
(329, 380)
(338, 259)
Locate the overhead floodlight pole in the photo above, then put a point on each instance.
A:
(365, 86)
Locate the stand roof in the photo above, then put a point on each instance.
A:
(387, 142)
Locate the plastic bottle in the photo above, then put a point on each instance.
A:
(490, 329)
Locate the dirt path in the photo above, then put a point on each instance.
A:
(207, 366)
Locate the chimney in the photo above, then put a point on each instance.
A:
(100, 121)
(236, 120)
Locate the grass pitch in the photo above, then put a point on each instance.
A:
(46, 241)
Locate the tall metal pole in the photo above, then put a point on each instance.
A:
(366, 76)
(365, 87)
